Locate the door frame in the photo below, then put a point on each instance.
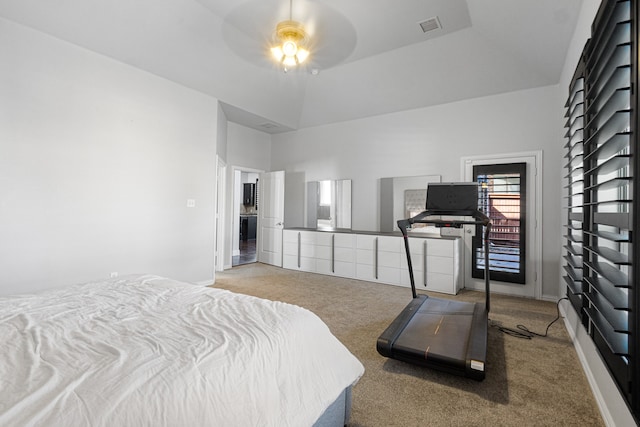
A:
(221, 195)
(533, 159)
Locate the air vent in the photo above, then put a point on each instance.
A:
(430, 24)
(268, 125)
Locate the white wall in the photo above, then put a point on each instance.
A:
(431, 141)
(247, 150)
(97, 162)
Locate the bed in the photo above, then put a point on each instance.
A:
(150, 351)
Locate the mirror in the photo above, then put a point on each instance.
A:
(333, 204)
(402, 197)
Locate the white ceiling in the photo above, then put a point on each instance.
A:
(371, 56)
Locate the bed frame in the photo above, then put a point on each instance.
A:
(338, 413)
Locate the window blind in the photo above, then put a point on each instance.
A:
(600, 169)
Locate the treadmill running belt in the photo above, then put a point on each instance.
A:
(434, 332)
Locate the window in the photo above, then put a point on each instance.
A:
(502, 197)
(601, 279)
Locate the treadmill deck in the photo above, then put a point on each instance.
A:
(439, 333)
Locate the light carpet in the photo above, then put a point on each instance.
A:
(537, 382)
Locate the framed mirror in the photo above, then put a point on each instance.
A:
(332, 204)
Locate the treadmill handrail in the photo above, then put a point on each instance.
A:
(423, 218)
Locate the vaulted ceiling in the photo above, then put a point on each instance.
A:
(369, 57)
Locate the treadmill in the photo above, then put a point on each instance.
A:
(443, 334)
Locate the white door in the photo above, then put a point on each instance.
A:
(270, 217)
(533, 272)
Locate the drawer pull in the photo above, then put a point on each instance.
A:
(333, 253)
(424, 268)
(375, 256)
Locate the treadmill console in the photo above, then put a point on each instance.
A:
(452, 197)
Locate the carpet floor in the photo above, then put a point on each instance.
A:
(536, 382)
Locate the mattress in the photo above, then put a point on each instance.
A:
(145, 350)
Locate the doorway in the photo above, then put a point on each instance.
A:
(528, 285)
(245, 218)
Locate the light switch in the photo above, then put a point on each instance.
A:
(191, 203)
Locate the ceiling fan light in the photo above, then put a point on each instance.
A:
(289, 48)
(291, 43)
(277, 53)
(302, 55)
(289, 61)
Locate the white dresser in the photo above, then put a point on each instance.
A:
(437, 262)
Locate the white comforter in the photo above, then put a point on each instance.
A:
(148, 351)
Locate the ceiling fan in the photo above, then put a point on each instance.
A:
(257, 31)
(291, 42)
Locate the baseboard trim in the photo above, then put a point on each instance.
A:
(550, 298)
(612, 406)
